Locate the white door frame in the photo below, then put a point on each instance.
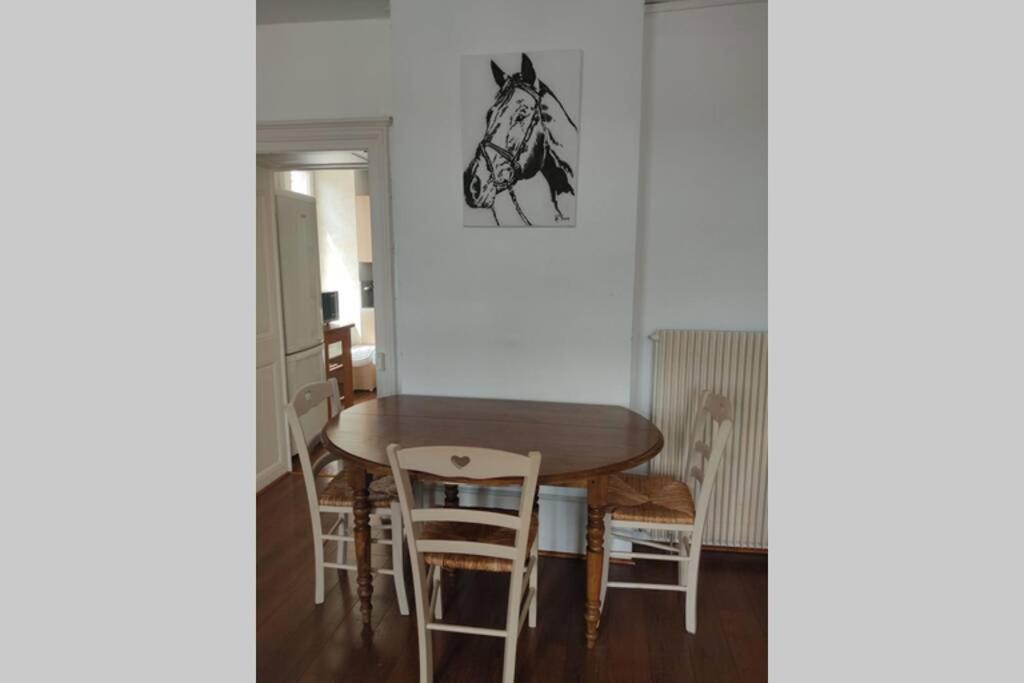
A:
(270, 342)
(350, 135)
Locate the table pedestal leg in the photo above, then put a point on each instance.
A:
(597, 500)
(359, 480)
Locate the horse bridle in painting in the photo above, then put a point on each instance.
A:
(510, 157)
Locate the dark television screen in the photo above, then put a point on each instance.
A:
(329, 303)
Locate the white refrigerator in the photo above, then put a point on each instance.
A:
(299, 251)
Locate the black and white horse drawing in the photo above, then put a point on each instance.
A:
(527, 127)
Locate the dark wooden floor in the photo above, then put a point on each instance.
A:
(363, 396)
(642, 636)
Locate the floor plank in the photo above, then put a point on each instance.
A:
(642, 635)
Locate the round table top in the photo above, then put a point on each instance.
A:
(576, 440)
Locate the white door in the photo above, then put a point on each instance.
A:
(299, 249)
(272, 457)
(301, 369)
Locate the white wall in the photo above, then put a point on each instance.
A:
(541, 300)
(702, 243)
(549, 313)
(336, 223)
(323, 70)
(516, 313)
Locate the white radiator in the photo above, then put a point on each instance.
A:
(734, 364)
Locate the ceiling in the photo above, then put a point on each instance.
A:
(298, 11)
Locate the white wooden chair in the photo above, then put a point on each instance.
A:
(337, 498)
(664, 503)
(482, 539)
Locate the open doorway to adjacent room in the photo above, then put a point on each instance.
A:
(341, 199)
(325, 286)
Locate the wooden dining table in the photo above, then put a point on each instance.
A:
(580, 446)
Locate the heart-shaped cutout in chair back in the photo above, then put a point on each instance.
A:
(460, 461)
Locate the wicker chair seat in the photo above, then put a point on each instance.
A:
(338, 493)
(479, 533)
(658, 499)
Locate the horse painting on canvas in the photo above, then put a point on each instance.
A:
(524, 163)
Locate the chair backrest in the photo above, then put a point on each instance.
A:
(460, 462)
(715, 415)
(306, 399)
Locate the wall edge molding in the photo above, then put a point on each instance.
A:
(678, 5)
(322, 130)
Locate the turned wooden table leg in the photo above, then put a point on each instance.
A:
(451, 500)
(359, 480)
(597, 500)
(451, 495)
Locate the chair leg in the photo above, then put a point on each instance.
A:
(515, 597)
(508, 674)
(342, 531)
(419, 579)
(691, 588)
(426, 657)
(318, 559)
(606, 558)
(532, 616)
(398, 558)
(438, 610)
(683, 568)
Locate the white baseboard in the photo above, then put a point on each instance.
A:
(270, 474)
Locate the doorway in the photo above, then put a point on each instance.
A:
(339, 199)
(329, 190)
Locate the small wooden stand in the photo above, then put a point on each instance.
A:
(339, 367)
